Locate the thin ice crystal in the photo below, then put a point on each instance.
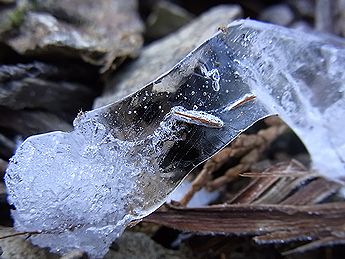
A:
(81, 189)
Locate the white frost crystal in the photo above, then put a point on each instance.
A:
(65, 184)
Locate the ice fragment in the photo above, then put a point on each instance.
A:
(81, 189)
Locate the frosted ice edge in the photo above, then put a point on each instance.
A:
(301, 77)
(67, 211)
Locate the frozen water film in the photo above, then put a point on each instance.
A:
(81, 189)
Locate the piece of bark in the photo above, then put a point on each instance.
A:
(7, 1)
(324, 242)
(5, 214)
(166, 17)
(283, 188)
(3, 166)
(324, 15)
(16, 247)
(280, 14)
(276, 223)
(162, 55)
(253, 190)
(11, 16)
(71, 72)
(41, 86)
(7, 147)
(140, 245)
(340, 17)
(314, 192)
(26, 123)
(2, 193)
(304, 8)
(101, 33)
(258, 220)
(285, 183)
(75, 254)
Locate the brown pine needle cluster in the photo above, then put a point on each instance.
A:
(246, 148)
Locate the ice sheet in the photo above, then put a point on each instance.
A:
(81, 189)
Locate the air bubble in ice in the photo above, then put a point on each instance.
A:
(213, 74)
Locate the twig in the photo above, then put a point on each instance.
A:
(201, 179)
(20, 234)
(269, 223)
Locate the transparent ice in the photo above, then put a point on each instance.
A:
(81, 189)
